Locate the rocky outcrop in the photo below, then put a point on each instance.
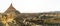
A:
(12, 17)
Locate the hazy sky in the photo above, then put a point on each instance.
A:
(31, 6)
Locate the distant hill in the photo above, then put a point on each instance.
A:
(52, 12)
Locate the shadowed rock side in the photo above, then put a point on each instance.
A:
(12, 17)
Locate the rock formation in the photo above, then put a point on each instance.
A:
(12, 17)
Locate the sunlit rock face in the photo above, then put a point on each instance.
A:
(7, 20)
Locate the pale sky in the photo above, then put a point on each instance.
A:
(31, 6)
